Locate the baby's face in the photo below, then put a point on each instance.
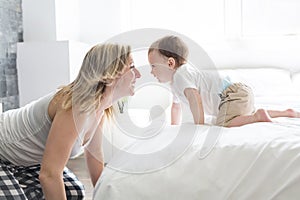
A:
(160, 67)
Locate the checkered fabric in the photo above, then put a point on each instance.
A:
(18, 183)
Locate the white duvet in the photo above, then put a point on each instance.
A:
(256, 161)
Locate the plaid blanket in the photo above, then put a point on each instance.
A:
(19, 182)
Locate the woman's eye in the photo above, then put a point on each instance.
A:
(131, 66)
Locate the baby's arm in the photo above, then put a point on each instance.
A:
(195, 103)
(175, 113)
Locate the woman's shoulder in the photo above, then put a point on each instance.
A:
(55, 104)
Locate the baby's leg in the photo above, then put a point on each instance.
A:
(285, 113)
(260, 115)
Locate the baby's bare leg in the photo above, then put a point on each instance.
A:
(285, 113)
(260, 115)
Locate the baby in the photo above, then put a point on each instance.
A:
(206, 92)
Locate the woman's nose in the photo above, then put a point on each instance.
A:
(136, 73)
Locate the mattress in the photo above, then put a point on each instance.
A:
(255, 161)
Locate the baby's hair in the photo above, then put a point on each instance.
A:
(171, 46)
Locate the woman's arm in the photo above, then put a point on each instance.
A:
(175, 113)
(60, 141)
(94, 154)
(195, 103)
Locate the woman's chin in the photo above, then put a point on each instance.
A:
(131, 92)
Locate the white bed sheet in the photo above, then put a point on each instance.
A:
(256, 161)
(278, 102)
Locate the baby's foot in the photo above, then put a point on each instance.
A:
(262, 115)
(292, 113)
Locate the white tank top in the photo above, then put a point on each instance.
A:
(24, 131)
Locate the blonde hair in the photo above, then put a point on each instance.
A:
(171, 46)
(100, 66)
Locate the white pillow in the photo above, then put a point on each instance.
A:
(264, 81)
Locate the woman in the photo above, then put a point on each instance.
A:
(46, 132)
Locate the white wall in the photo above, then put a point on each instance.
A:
(87, 21)
(44, 66)
(51, 53)
(39, 22)
(270, 17)
(94, 21)
(50, 20)
(99, 20)
(195, 19)
(67, 20)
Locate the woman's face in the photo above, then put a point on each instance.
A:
(126, 82)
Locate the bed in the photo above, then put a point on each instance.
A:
(255, 161)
